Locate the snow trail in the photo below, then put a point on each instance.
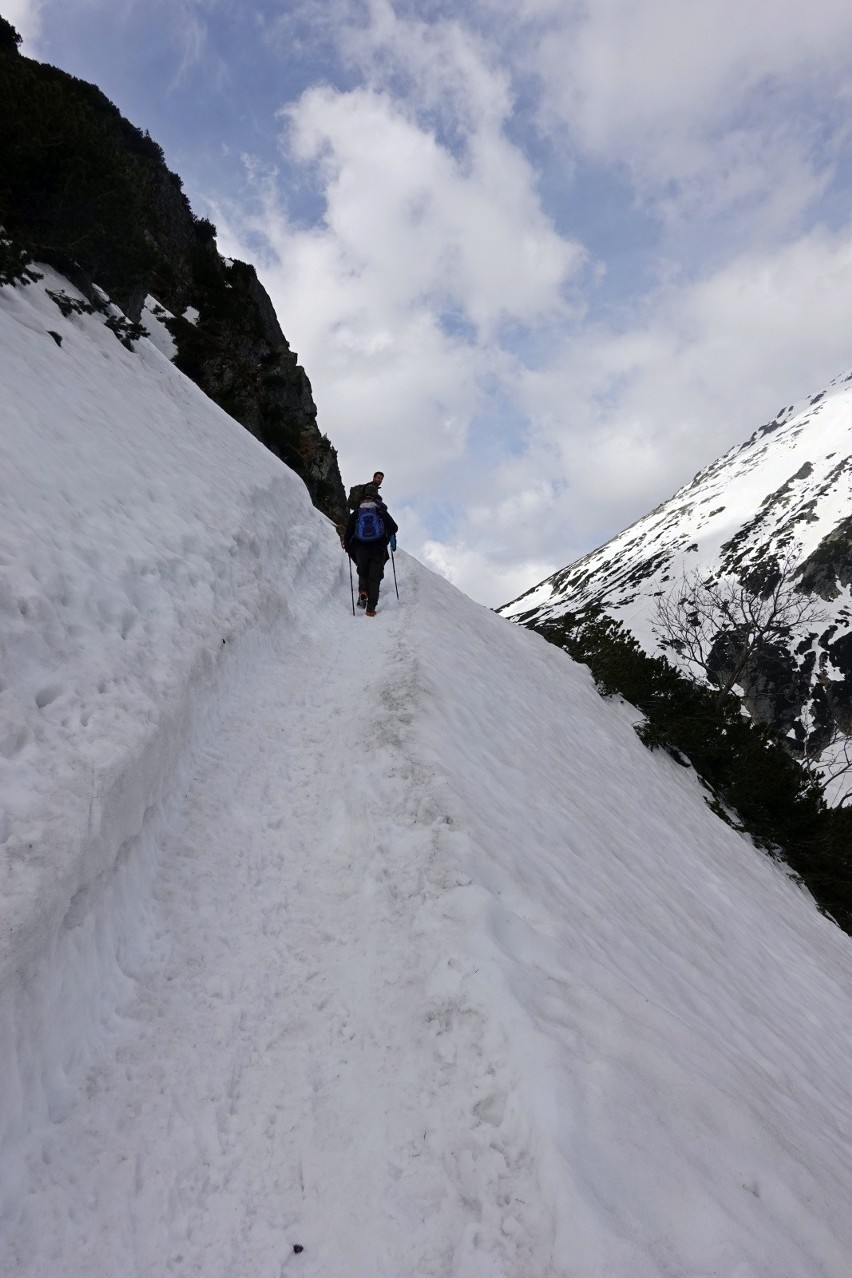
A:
(277, 1082)
(387, 939)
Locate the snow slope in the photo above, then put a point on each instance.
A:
(787, 491)
(790, 484)
(383, 939)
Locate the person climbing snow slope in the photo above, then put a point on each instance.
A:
(370, 530)
(356, 494)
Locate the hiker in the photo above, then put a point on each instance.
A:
(369, 532)
(356, 493)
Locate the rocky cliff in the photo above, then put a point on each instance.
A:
(86, 191)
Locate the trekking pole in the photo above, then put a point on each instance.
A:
(351, 587)
(393, 565)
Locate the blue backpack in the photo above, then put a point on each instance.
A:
(369, 525)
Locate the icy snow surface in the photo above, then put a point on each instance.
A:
(384, 938)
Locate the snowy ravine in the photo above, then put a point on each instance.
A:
(382, 939)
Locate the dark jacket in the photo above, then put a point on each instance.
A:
(350, 541)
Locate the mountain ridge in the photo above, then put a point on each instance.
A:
(785, 492)
(84, 190)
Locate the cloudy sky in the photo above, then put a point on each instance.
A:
(541, 259)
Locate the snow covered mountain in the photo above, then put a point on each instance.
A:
(787, 490)
(335, 946)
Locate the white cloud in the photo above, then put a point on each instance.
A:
(710, 363)
(393, 390)
(434, 244)
(396, 302)
(456, 332)
(450, 72)
(624, 71)
(619, 420)
(708, 107)
(489, 581)
(469, 235)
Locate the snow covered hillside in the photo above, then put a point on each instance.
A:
(336, 946)
(788, 489)
(790, 483)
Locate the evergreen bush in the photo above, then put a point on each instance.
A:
(15, 263)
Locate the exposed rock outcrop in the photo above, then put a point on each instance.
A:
(86, 191)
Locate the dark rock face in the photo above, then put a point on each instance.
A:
(775, 689)
(829, 567)
(84, 190)
(838, 692)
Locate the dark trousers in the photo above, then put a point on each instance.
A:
(370, 558)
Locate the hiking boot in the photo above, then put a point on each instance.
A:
(371, 612)
(362, 599)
